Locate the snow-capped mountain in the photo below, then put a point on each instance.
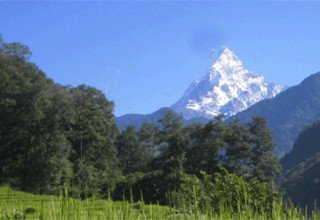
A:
(227, 88)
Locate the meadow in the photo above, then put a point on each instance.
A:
(20, 205)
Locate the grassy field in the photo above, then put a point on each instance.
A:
(19, 205)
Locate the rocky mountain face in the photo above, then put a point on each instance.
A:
(227, 88)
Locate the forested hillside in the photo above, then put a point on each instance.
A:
(301, 177)
(306, 146)
(301, 183)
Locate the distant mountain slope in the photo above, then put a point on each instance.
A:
(302, 183)
(138, 119)
(289, 112)
(227, 88)
(306, 146)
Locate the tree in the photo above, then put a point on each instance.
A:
(238, 150)
(207, 147)
(1, 42)
(16, 49)
(92, 138)
(265, 165)
(174, 146)
(149, 139)
(132, 153)
(34, 116)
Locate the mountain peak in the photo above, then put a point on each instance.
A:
(225, 51)
(227, 88)
(226, 60)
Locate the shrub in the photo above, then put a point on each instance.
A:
(217, 191)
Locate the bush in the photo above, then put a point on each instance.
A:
(150, 187)
(218, 191)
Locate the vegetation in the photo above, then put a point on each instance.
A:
(19, 205)
(52, 136)
(306, 146)
(301, 183)
(302, 164)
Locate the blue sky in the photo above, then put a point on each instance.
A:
(144, 55)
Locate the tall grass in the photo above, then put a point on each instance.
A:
(20, 205)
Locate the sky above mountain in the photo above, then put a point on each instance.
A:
(144, 55)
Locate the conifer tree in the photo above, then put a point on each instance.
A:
(265, 165)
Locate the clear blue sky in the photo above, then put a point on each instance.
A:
(144, 55)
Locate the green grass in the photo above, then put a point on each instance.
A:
(19, 205)
(15, 203)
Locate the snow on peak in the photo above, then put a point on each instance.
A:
(226, 59)
(227, 88)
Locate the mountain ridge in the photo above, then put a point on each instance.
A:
(138, 120)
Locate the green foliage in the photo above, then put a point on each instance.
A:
(150, 187)
(207, 143)
(174, 146)
(15, 203)
(134, 155)
(244, 149)
(302, 182)
(265, 165)
(148, 136)
(33, 117)
(50, 134)
(15, 49)
(92, 139)
(221, 190)
(238, 150)
(19, 205)
(302, 164)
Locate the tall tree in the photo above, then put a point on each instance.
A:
(149, 139)
(265, 165)
(238, 151)
(207, 144)
(174, 146)
(33, 117)
(132, 153)
(92, 138)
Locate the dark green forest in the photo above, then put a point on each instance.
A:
(306, 146)
(52, 135)
(301, 168)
